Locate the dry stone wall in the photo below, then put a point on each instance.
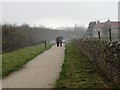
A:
(106, 55)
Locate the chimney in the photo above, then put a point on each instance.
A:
(98, 22)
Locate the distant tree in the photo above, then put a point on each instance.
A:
(15, 37)
(90, 30)
(11, 38)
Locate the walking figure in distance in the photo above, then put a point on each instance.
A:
(59, 41)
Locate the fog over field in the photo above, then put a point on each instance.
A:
(35, 22)
(58, 14)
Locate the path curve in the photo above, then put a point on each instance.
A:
(41, 72)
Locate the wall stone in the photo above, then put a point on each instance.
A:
(106, 55)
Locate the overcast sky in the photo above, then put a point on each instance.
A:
(58, 14)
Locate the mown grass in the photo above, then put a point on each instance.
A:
(79, 72)
(15, 60)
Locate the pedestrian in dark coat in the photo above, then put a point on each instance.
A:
(59, 41)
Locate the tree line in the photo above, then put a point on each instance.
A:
(15, 37)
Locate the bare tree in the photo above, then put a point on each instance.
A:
(90, 30)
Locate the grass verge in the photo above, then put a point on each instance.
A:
(79, 72)
(15, 60)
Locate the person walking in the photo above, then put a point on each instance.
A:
(59, 41)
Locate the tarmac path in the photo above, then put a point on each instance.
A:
(41, 72)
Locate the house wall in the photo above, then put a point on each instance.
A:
(114, 32)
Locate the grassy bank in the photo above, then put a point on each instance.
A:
(79, 72)
(15, 60)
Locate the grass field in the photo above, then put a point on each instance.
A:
(15, 60)
(79, 72)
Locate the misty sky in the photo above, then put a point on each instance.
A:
(58, 14)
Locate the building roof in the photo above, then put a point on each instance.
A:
(114, 24)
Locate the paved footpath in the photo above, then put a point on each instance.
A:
(41, 72)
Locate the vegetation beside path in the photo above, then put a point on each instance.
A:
(15, 60)
(79, 72)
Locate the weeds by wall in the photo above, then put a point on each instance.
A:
(106, 55)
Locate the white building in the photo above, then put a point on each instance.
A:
(101, 26)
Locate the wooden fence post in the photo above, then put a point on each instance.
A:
(110, 34)
(99, 35)
(45, 44)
